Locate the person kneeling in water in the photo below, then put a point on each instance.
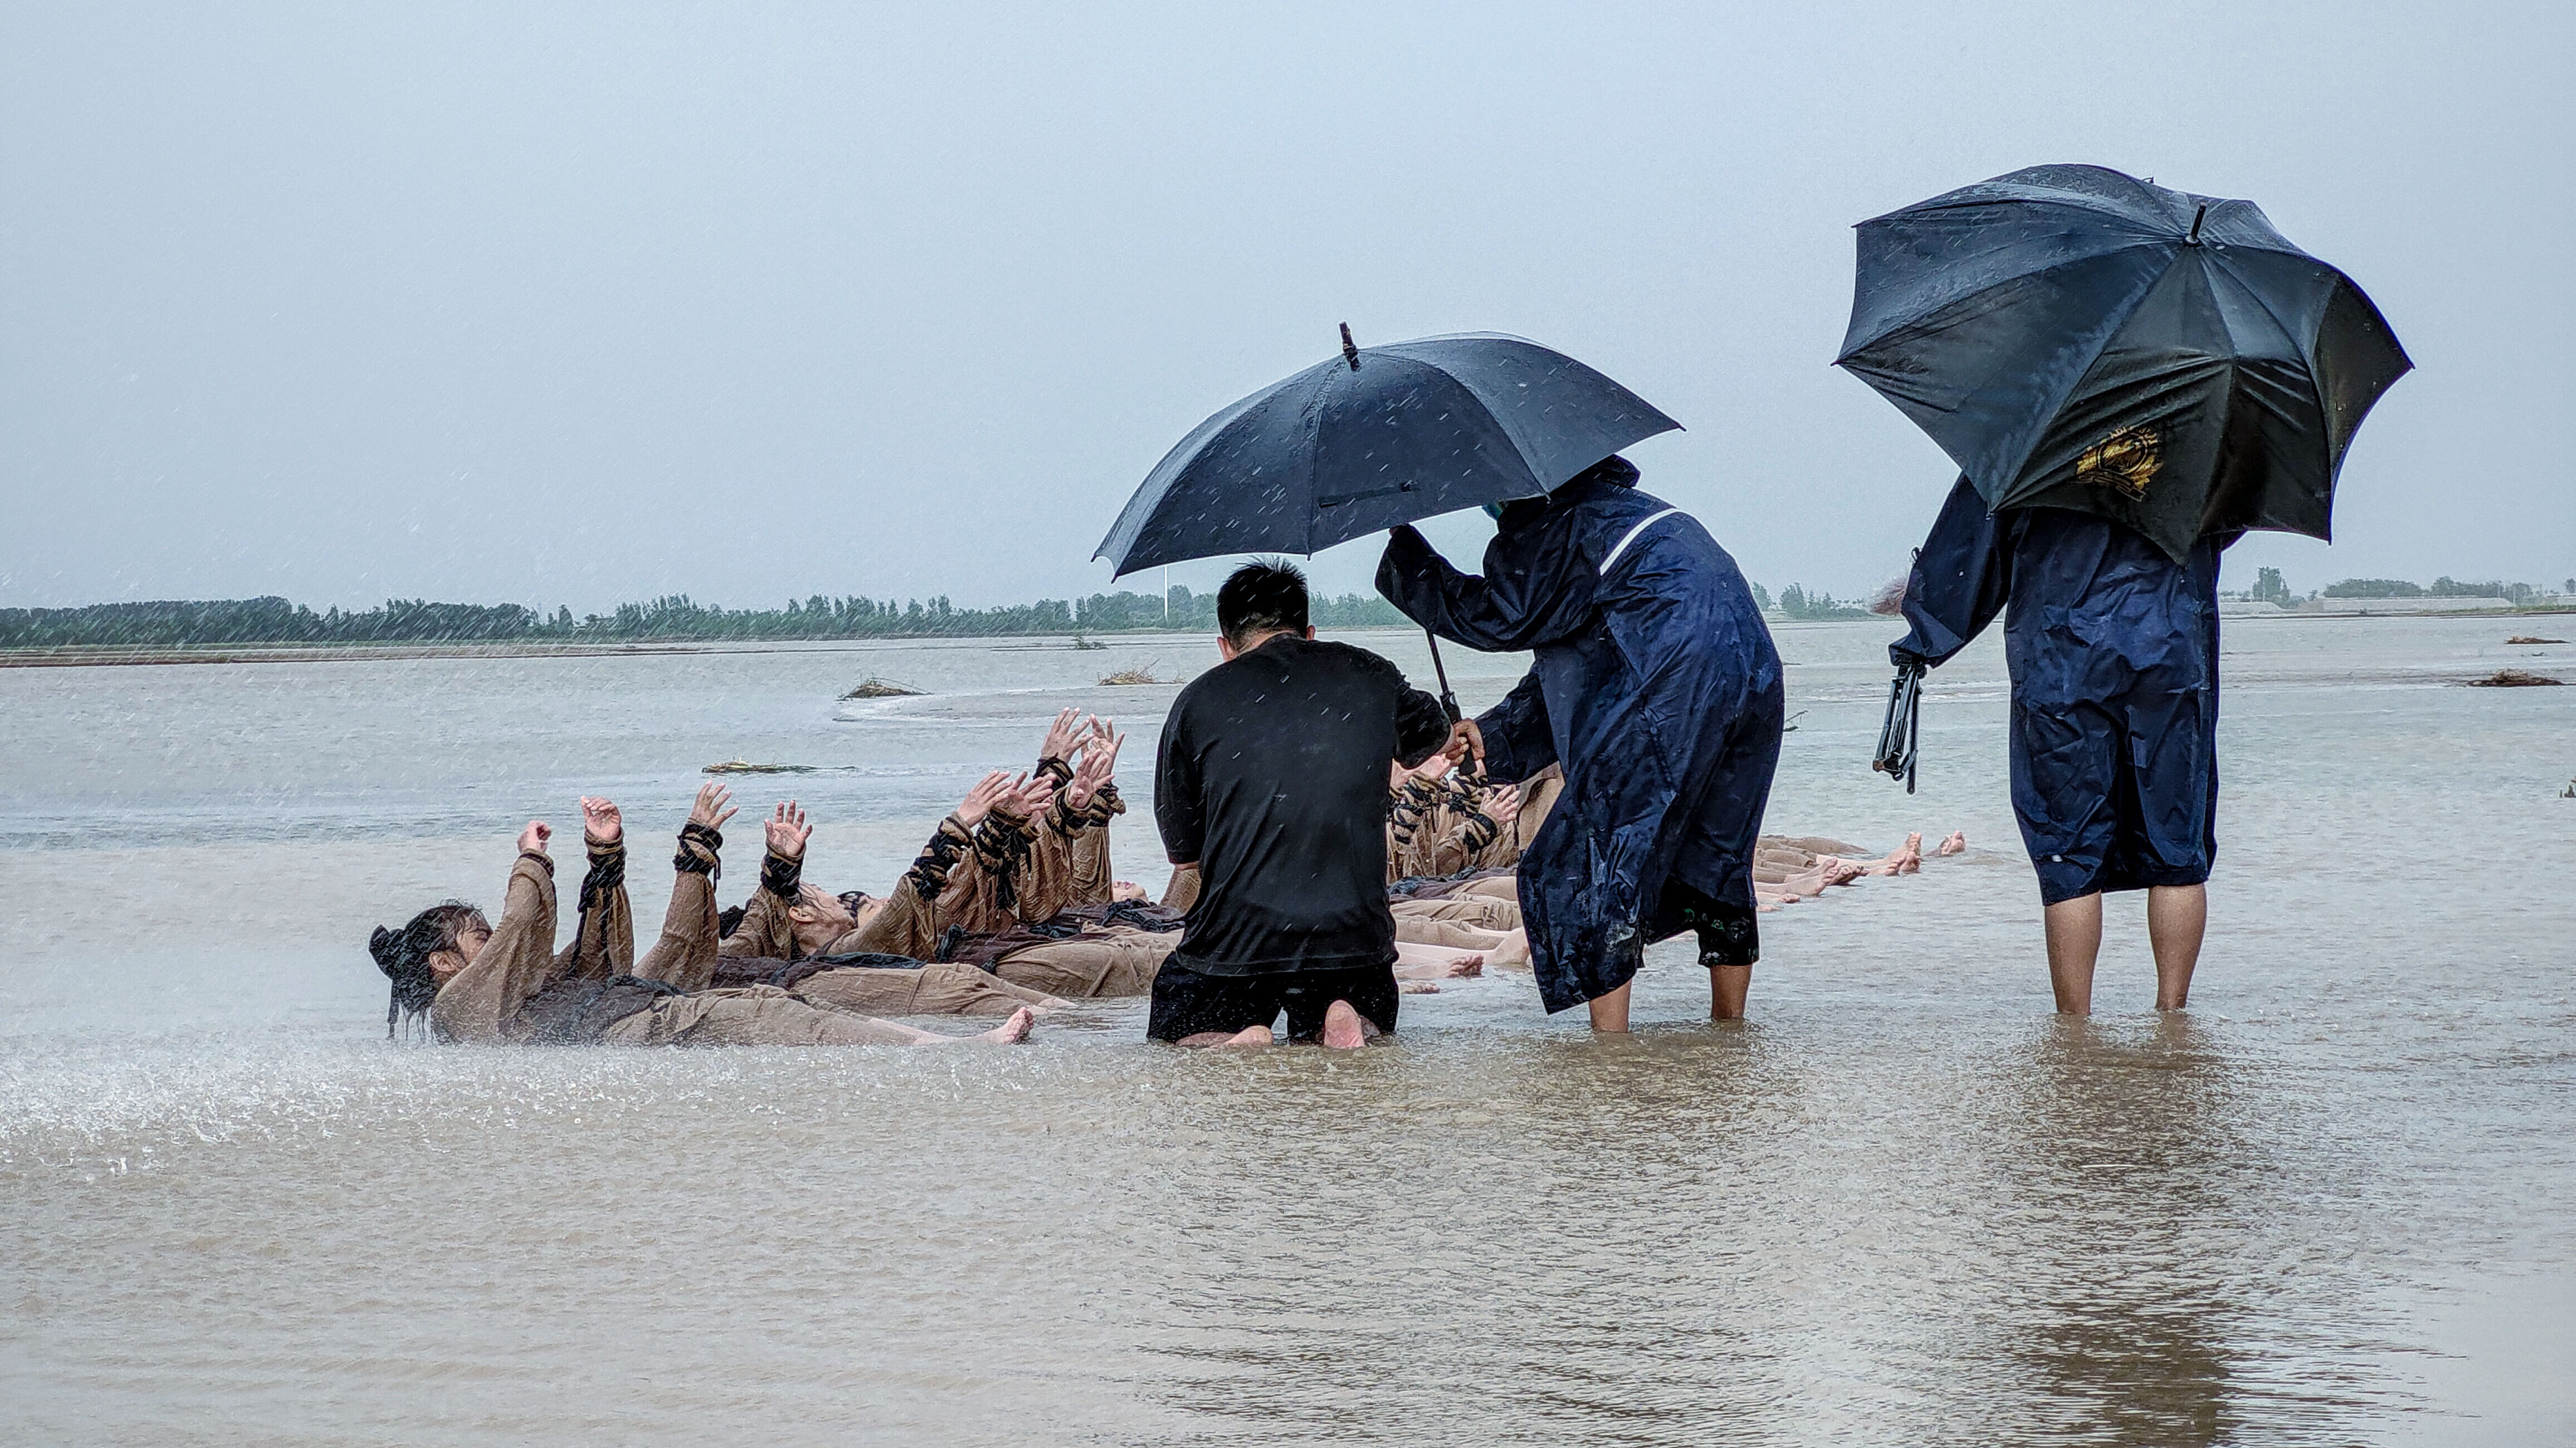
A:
(481, 983)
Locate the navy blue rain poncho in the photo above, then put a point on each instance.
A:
(2113, 648)
(1655, 686)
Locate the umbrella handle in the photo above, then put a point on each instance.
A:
(1448, 700)
(1898, 738)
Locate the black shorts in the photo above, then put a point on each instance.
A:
(1728, 934)
(1187, 1003)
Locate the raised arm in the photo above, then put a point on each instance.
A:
(603, 943)
(766, 929)
(516, 961)
(685, 956)
(908, 923)
(1536, 589)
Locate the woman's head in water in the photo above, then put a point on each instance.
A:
(425, 954)
(820, 917)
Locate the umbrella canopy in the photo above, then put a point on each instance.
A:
(2076, 338)
(1376, 437)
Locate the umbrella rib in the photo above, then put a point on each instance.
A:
(2316, 389)
(2109, 334)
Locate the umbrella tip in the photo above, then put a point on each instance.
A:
(2192, 240)
(1351, 351)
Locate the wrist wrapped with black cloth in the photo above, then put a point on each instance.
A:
(781, 876)
(607, 870)
(701, 849)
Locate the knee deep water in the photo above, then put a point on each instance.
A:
(1903, 1204)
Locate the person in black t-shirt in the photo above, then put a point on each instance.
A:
(1271, 780)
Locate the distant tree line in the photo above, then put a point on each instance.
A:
(2445, 587)
(2270, 588)
(675, 617)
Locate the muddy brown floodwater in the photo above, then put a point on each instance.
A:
(1903, 1204)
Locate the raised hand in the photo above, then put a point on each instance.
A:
(980, 800)
(532, 840)
(1062, 737)
(600, 822)
(1099, 765)
(786, 831)
(1503, 804)
(714, 806)
(1027, 796)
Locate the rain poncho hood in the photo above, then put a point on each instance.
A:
(1655, 686)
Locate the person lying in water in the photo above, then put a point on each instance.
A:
(1790, 868)
(1113, 948)
(474, 981)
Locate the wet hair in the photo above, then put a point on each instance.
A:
(403, 955)
(1262, 596)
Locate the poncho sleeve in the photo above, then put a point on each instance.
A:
(1961, 579)
(1535, 590)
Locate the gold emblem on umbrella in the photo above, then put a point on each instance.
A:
(2123, 462)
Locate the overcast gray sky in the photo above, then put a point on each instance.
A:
(572, 304)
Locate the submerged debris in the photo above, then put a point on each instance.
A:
(2513, 679)
(2528, 639)
(745, 766)
(873, 687)
(1144, 675)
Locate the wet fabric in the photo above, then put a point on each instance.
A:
(926, 990)
(594, 992)
(1188, 1003)
(1495, 915)
(1271, 775)
(2113, 650)
(2076, 338)
(1102, 962)
(1655, 686)
(1068, 861)
(756, 1015)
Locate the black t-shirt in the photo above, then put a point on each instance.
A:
(1272, 776)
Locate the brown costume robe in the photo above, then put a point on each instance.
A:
(520, 991)
(1067, 862)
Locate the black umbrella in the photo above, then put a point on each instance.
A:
(1376, 437)
(2073, 337)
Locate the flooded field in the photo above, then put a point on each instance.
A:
(1902, 1204)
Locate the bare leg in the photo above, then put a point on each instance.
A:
(1610, 1012)
(2177, 917)
(2074, 943)
(1727, 985)
(1435, 962)
(1343, 1029)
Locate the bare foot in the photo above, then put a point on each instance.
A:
(1416, 987)
(1801, 887)
(1248, 1036)
(1343, 1029)
(1515, 949)
(1454, 967)
(1012, 1031)
(1956, 844)
(1839, 872)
